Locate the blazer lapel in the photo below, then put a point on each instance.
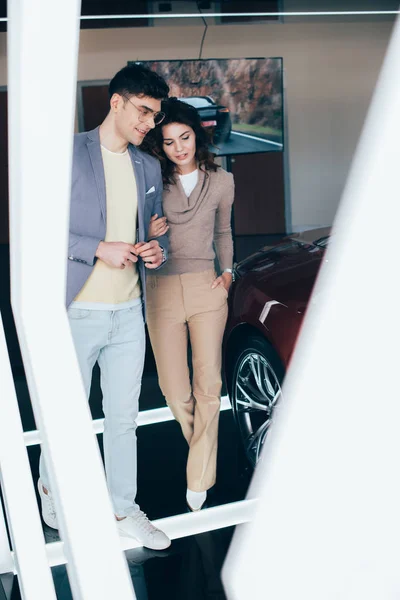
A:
(93, 145)
(141, 191)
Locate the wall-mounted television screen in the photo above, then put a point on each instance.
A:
(240, 100)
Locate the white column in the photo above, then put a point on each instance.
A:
(42, 67)
(6, 560)
(328, 520)
(35, 579)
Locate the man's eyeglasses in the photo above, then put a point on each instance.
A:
(146, 113)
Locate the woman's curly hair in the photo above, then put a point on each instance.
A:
(177, 111)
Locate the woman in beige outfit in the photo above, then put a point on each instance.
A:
(186, 299)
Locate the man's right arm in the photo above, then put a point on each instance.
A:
(86, 250)
(83, 248)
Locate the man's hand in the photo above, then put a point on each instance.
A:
(117, 254)
(224, 280)
(150, 252)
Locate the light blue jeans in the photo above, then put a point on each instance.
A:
(116, 339)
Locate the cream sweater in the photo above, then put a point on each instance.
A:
(198, 223)
(108, 285)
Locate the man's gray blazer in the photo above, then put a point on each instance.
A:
(88, 207)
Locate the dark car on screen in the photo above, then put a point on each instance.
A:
(212, 115)
(267, 303)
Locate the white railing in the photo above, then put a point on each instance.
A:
(209, 15)
(179, 526)
(146, 417)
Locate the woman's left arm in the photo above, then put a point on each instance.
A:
(223, 234)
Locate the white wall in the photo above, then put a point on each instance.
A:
(330, 72)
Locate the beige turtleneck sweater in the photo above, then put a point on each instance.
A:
(199, 222)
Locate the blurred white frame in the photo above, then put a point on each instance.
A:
(42, 69)
(328, 520)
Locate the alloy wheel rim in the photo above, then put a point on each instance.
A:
(256, 393)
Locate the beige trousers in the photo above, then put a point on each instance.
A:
(178, 307)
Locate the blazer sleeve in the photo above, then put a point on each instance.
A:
(82, 248)
(158, 209)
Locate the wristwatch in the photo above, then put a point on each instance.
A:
(231, 272)
(164, 258)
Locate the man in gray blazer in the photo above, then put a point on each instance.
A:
(116, 188)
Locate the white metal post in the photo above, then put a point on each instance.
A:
(328, 520)
(35, 579)
(6, 560)
(42, 67)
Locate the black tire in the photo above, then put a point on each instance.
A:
(254, 359)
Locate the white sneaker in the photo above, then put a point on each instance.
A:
(48, 509)
(141, 529)
(195, 500)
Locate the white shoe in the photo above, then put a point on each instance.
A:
(195, 500)
(141, 529)
(48, 509)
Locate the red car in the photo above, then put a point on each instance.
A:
(267, 304)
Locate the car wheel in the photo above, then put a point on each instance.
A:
(255, 376)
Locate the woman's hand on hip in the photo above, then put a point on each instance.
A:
(158, 226)
(224, 280)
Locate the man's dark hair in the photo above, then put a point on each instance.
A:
(138, 80)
